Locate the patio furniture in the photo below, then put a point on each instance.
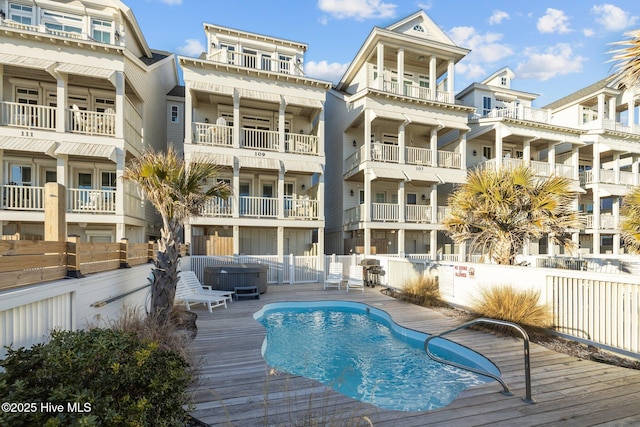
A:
(190, 290)
(355, 280)
(334, 279)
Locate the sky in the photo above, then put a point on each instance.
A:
(554, 47)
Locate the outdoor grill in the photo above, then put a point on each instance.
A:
(371, 271)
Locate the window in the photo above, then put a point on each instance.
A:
(174, 114)
(84, 180)
(101, 30)
(487, 152)
(284, 63)
(62, 22)
(418, 28)
(503, 81)
(103, 104)
(230, 55)
(20, 175)
(21, 13)
(412, 198)
(27, 96)
(519, 154)
(423, 81)
(108, 180)
(486, 104)
(380, 197)
(50, 176)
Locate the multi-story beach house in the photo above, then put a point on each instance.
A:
(396, 142)
(82, 93)
(249, 107)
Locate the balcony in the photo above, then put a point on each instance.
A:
(519, 112)
(22, 198)
(539, 168)
(217, 207)
(607, 222)
(608, 124)
(414, 156)
(255, 62)
(388, 212)
(91, 122)
(28, 116)
(213, 135)
(301, 208)
(417, 92)
(385, 212)
(607, 176)
(91, 200)
(42, 29)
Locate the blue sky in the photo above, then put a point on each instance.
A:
(554, 47)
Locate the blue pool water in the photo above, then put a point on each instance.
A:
(359, 351)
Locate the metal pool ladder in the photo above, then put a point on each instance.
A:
(505, 391)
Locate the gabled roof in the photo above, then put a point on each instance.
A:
(254, 36)
(582, 93)
(503, 71)
(430, 30)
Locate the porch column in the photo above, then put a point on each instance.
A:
(61, 102)
(551, 157)
(433, 200)
(120, 231)
(280, 239)
(188, 233)
(433, 83)
(400, 68)
(235, 207)
(236, 240)
(462, 252)
(596, 198)
(634, 171)
(120, 158)
(321, 256)
(188, 116)
(575, 162)
(321, 131)
(631, 113)
(451, 81)
(62, 169)
(402, 203)
(401, 243)
(433, 244)
(119, 105)
(434, 147)
(526, 150)
(320, 195)
(616, 169)
(367, 134)
(281, 135)
(380, 65)
(236, 118)
(463, 151)
(402, 143)
(367, 211)
(612, 109)
(280, 193)
(615, 209)
(601, 98)
(498, 147)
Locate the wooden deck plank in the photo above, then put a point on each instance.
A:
(237, 388)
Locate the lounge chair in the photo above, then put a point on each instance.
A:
(355, 280)
(190, 290)
(335, 276)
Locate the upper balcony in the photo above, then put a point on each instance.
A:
(273, 63)
(266, 140)
(540, 168)
(114, 39)
(413, 156)
(301, 208)
(607, 176)
(412, 87)
(611, 125)
(389, 212)
(519, 112)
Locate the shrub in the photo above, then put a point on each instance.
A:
(513, 305)
(423, 290)
(125, 380)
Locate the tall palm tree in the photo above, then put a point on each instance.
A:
(627, 58)
(497, 212)
(177, 191)
(630, 222)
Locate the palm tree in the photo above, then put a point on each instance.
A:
(630, 222)
(627, 59)
(498, 212)
(177, 191)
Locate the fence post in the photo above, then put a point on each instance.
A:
(292, 269)
(124, 253)
(150, 251)
(73, 257)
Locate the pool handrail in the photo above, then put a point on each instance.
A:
(505, 391)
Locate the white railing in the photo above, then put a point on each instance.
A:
(217, 207)
(208, 134)
(43, 29)
(259, 207)
(449, 159)
(354, 215)
(537, 115)
(607, 124)
(540, 168)
(384, 212)
(300, 208)
(91, 122)
(626, 178)
(519, 113)
(92, 200)
(385, 153)
(442, 96)
(301, 144)
(418, 213)
(256, 62)
(443, 211)
(510, 163)
(607, 176)
(565, 171)
(419, 156)
(607, 222)
(354, 160)
(22, 197)
(261, 139)
(28, 116)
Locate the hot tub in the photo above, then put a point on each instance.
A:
(226, 277)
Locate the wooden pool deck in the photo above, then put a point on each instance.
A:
(237, 388)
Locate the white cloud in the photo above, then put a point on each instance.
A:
(191, 47)
(588, 32)
(555, 21)
(325, 71)
(470, 71)
(555, 61)
(425, 6)
(357, 9)
(172, 2)
(497, 17)
(612, 18)
(485, 50)
(323, 20)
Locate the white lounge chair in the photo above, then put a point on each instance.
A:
(190, 290)
(355, 280)
(335, 276)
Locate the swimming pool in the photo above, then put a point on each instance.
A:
(359, 351)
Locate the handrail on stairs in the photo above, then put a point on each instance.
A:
(505, 391)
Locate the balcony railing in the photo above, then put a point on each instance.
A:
(607, 176)
(253, 61)
(119, 40)
(418, 213)
(419, 156)
(607, 222)
(416, 92)
(259, 207)
(519, 113)
(261, 139)
(608, 124)
(91, 122)
(22, 197)
(209, 134)
(300, 208)
(217, 207)
(385, 212)
(449, 159)
(354, 215)
(385, 153)
(539, 168)
(301, 144)
(91, 200)
(28, 116)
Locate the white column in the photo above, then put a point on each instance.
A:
(526, 150)
(433, 200)
(612, 108)
(321, 255)
(321, 132)
(236, 118)
(400, 68)
(433, 145)
(402, 203)
(281, 135)
(575, 162)
(463, 151)
(61, 103)
(498, 147)
(187, 233)
(236, 240)
(433, 244)
(401, 242)
(634, 171)
(433, 83)
(367, 134)
(321, 196)
(120, 159)
(402, 143)
(451, 81)
(235, 207)
(188, 116)
(1, 85)
(601, 98)
(367, 211)
(119, 75)
(551, 157)
(616, 168)
(615, 209)
(631, 113)
(280, 193)
(380, 65)
(280, 239)
(596, 198)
